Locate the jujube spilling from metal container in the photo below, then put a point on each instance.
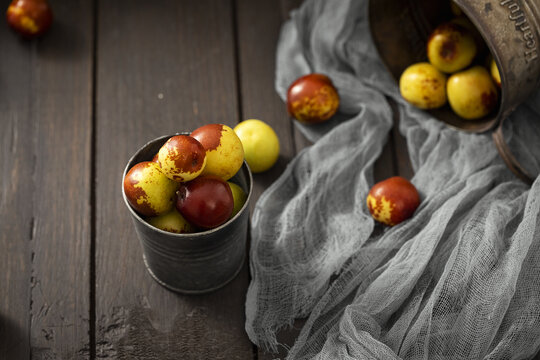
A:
(457, 72)
(184, 187)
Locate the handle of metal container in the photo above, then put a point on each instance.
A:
(510, 160)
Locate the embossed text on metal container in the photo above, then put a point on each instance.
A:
(521, 24)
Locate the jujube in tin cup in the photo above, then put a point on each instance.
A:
(188, 195)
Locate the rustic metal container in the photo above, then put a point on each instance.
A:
(199, 262)
(509, 28)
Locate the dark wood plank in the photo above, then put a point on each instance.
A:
(287, 6)
(258, 26)
(257, 39)
(402, 160)
(394, 159)
(385, 166)
(17, 157)
(45, 205)
(62, 112)
(163, 67)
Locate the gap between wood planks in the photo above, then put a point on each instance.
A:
(93, 184)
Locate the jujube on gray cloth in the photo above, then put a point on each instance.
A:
(459, 280)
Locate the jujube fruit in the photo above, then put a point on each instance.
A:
(205, 202)
(239, 197)
(148, 190)
(182, 158)
(451, 47)
(171, 221)
(495, 74)
(30, 18)
(260, 142)
(465, 22)
(312, 98)
(393, 200)
(472, 93)
(423, 86)
(224, 151)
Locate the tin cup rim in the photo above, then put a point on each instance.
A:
(188, 236)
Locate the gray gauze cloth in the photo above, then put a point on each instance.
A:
(458, 280)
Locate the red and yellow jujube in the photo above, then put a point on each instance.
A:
(393, 200)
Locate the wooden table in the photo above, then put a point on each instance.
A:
(74, 106)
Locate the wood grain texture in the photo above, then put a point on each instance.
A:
(257, 38)
(62, 114)
(385, 166)
(163, 67)
(258, 27)
(45, 205)
(402, 159)
(287, 7)
(17, 159)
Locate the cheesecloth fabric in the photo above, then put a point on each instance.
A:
(459, 280)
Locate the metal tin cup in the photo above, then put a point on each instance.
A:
(510, 30)
(193, 263)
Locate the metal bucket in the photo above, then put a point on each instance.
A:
(509, 28)
(199, 262)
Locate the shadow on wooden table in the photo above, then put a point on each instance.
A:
(13, 339)
(72, 40)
